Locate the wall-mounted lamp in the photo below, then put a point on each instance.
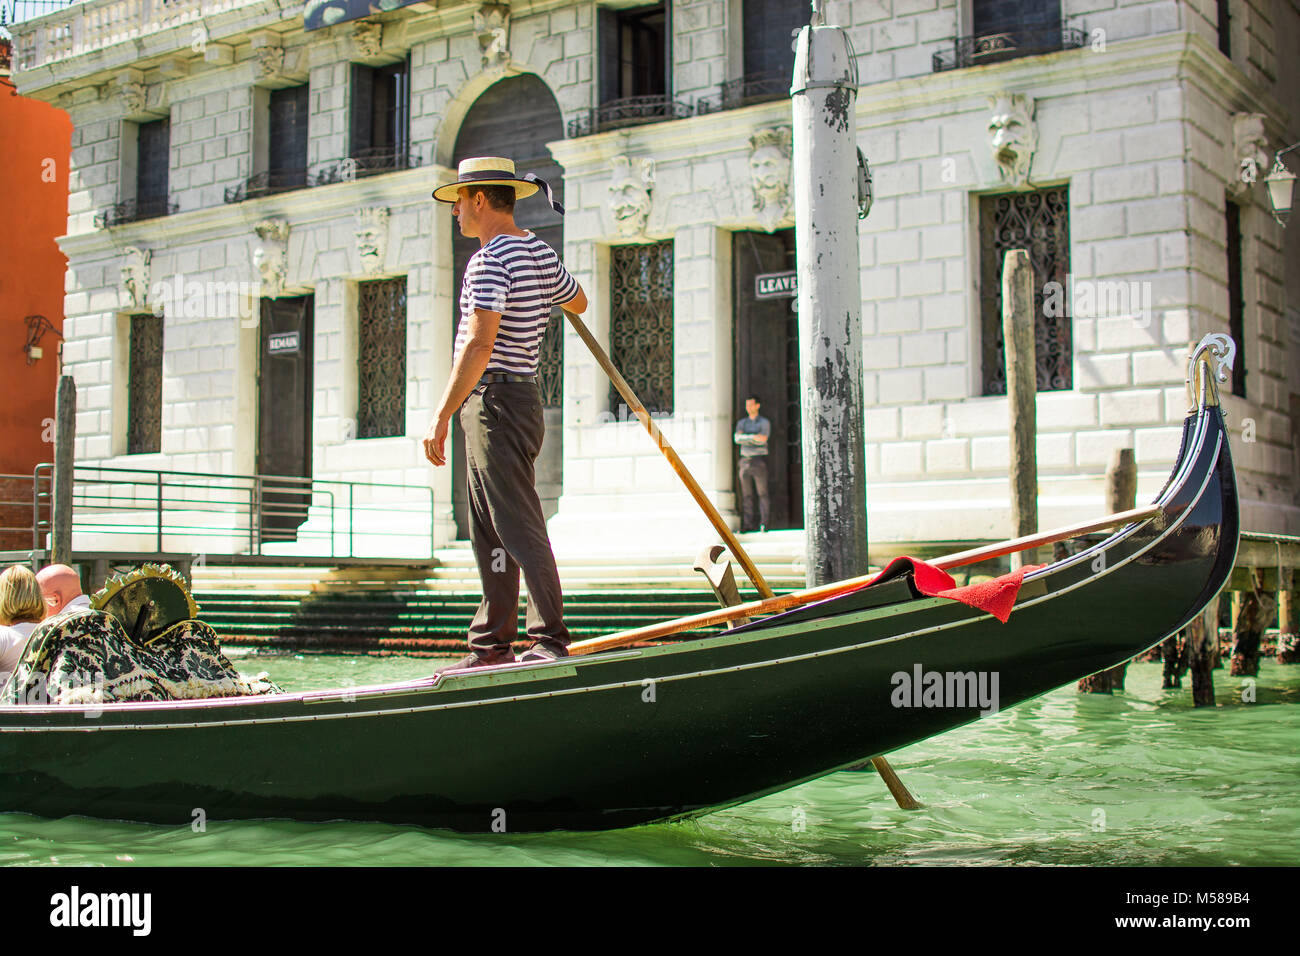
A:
(37, 326)
(1280, 182)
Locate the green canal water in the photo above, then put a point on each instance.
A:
(1140, 778)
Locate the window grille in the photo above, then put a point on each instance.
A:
(144, 386)
(550, 361)
(381, 358)
(1039, 222)
(641, 322)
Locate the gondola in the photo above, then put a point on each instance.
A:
(640, 734)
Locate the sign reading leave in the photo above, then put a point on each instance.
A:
(282, 343)
(776, 285)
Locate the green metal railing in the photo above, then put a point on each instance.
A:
(257, 510)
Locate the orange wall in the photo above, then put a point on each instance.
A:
(35, 211)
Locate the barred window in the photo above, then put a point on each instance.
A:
(144, 385)
(1037, 221)
(641, 322)
(381, 358)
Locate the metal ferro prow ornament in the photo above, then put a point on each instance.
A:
(1200, 377)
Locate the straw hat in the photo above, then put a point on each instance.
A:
(487, 171)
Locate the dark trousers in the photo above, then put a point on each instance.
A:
(753, 484)
(503, 435)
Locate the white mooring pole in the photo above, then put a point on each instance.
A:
(830, 302)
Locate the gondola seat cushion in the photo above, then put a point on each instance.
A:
(87, 658)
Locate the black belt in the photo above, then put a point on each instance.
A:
(495, 378)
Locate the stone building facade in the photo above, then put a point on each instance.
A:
(1121, 139)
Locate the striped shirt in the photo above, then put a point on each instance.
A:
(522, 278)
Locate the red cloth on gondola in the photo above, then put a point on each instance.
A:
(997, 596)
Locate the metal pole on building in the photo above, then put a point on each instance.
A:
(65, 433)
(823, 92)
(830, 302)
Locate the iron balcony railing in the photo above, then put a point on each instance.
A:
(370, 162)
(629, 111)
(1008, 45)
(268, 183)
(384, 159)
(133, 210)
(754, 88)
(208, 513)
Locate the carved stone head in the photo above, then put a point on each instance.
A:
(769, 170)
(629, 194)
(270, 254)
(1249, 150)
(135, 277)
(372, 238)
(1013, 136)
(492, 24)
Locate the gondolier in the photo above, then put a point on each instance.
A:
(511, 284)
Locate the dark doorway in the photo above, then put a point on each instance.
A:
(284, 397)
(767, 364)
(516, 118)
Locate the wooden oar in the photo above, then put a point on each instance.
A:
(634, 403)
(900, 793)
(837, 588)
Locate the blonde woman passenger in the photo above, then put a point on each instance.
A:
(22, 606)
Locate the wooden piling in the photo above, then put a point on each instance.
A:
(1202, 637)
(1173, 655)
(1288, 640)
(65, 434)
(1022, 389)
(1121, 495)
(1248, 629)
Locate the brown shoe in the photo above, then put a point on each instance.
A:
(474, 660)
(544, 651)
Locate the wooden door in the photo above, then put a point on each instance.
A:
(767, 364)
(516, 118)
(284, 389)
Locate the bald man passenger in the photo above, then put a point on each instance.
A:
(61, 586)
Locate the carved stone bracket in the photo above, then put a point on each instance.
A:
(492, 24)
(372, 238)
(629, 194)
(128, 89)
(268, 54)
(135, 277)
(1249, 152)
(1013, 136)
(769, 170)
(367, 39)
(270, 255)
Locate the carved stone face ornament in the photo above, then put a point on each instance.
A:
(135, 277)
(1013, 136)
(629, 194)
(372, 238)
(769, 169)
(1249, 151)
(270, 253)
